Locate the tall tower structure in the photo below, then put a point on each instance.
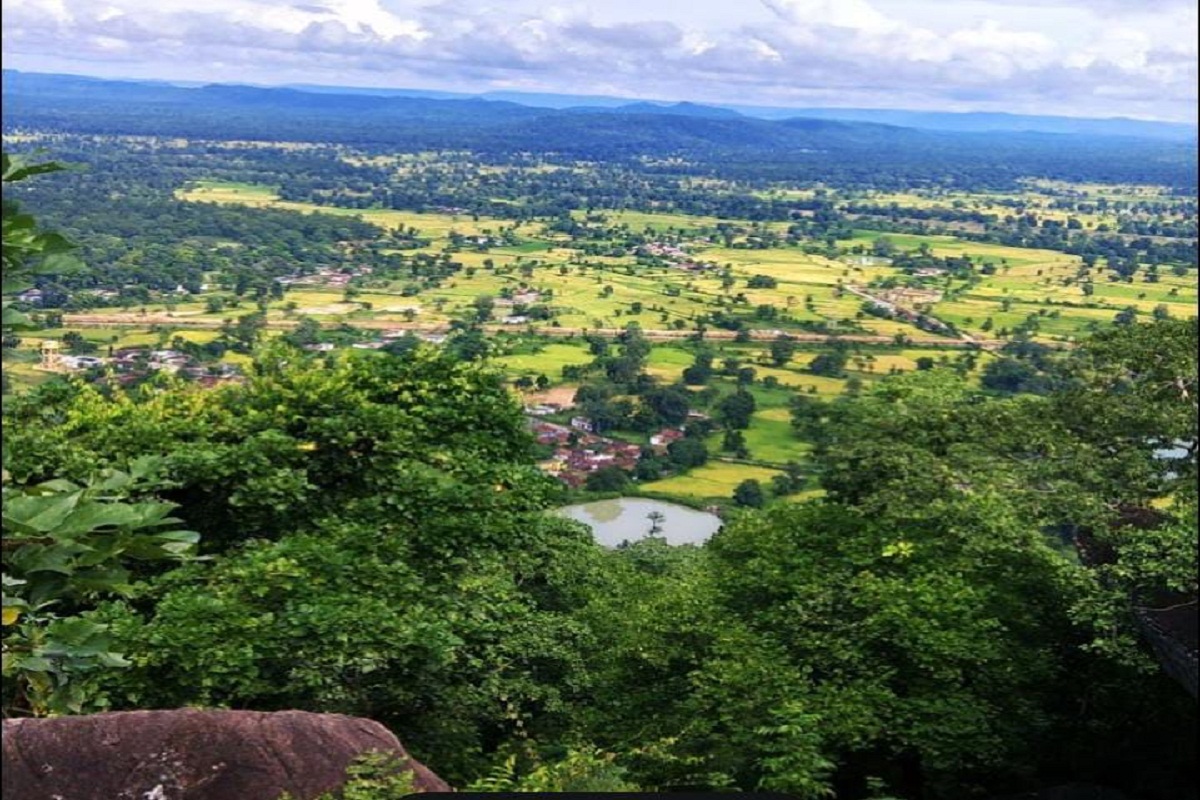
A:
(51, 352)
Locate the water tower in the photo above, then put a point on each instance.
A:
(51, 356)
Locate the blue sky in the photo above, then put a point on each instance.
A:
(1072, 57)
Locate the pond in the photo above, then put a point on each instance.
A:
(628, 519)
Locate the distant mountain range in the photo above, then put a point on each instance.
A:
(960, 122)
(807, 144)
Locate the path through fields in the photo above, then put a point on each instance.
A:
(759, 335)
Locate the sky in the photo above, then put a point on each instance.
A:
(1098, 58)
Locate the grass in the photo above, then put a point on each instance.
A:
(604, 293)
(262, 196)
(770, 437)
(715, 480)
(548, 361)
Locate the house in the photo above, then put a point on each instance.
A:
(516, 319)
(33, 296)
(549, 433)
(320, 347)
(526, 298)
(665, 437)
(582, 424)
(542, 410)
(81, 362)
(368, 345)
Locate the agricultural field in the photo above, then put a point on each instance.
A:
(716, 479)
(261, 196)
(608, 292)
(675, 276)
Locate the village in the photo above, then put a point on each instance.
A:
(129, 365)
(579, 451)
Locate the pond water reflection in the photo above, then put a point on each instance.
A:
(632, 518)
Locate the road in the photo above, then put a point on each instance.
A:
(759, 335)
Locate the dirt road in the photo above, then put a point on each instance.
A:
(147, 320)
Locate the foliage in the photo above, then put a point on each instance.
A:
(382, 549)
(580, 769)
(797, 766)
(372, 776)
(749, 493)
(65, 547)
(28, 249)
(608, 479)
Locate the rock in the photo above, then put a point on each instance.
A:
(189, 754)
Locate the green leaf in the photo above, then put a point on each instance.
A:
(41, 514)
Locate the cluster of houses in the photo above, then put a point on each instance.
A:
(132, 363)
(377, 344)
(676, 255)
(662, 250)
(136, 361)
(525, 298)
(35, 297)
(578, 451)
(326, 277)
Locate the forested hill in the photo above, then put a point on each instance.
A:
(711, 143)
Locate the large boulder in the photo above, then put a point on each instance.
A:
(189, 754)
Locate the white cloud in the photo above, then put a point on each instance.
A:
(1059, 56)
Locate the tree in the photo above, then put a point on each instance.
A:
(469, 345)
(366, 484)
(749, 494)
(245, 330)
(1126, 316)
(831, 364)
(306, 332)
(1010, 375)
(402, 346)
(483, 305)
(607, 479)
(736, 409)
(66, 546)
(77, 345)
(28, 250)
(883, 247)
(783, 347)
(687, 453)
(670, 404)
(734, 442)
(700, 372)
(781, 485)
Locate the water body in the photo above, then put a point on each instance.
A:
(626, 519)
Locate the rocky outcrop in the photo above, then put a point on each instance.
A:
(189, 754)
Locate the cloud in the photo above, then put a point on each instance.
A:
(1113, 58)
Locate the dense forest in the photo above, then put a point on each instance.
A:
(721, 146)
(366, 533)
